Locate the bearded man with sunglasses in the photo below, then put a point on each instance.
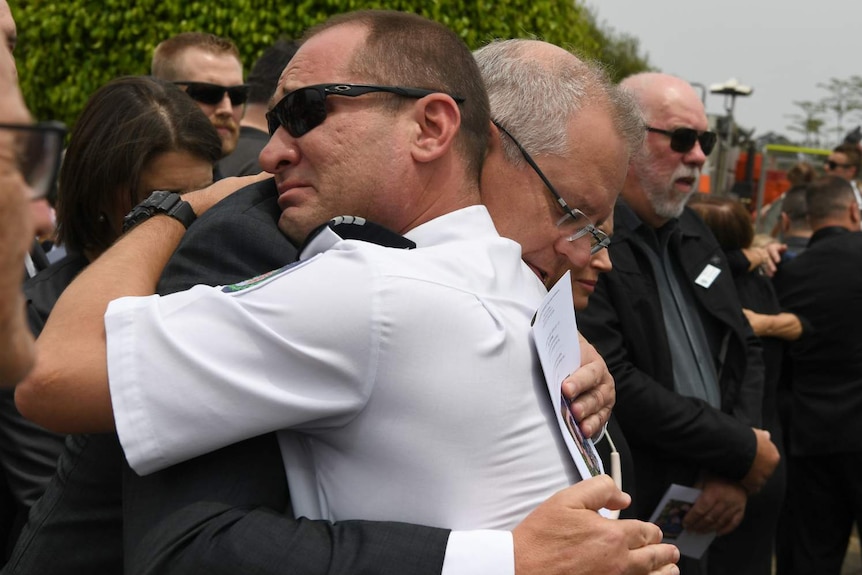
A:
(668, 322)
(209, 69)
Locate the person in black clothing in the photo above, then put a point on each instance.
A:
(730, 222)
(667, 320)
(794, 229)
(823, 285)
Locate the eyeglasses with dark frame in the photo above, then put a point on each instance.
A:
(38, 153)
(212, 94)
(598, 238)
(682, 140)
(304, 109)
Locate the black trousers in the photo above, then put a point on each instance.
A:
(825, 496)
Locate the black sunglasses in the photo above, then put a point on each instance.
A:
(304, 109)
(682, 140)
(832, 164)
(38, 153)
(212, 94)
(574, 221)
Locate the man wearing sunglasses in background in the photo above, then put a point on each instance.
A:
(209, 69)
(396, 134)
(668, 323)
(253, 133)
(845, 161)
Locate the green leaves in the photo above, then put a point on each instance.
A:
(68, 49)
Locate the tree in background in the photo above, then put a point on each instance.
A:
(809, 122)
(66, 50)
(845, 98)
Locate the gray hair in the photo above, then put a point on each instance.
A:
(534, 92)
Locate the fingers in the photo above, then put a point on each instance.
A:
(701, 517)
(592, 391)
(719, 507)
(732, 523)
(640, 533)
(768, 267)
(658, 559)
(593, 493)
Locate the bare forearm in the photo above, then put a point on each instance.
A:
(68, 389)
(783, 325)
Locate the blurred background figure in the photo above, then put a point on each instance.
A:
(846, 161)
(823, 284)
(209, 69)
(134, 136)
(800, 174)
(730, 222)
(793, 228)
(253, 130)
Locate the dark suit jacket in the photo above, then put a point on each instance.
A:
(673, 438)
(224, 512)
(824, 285)
(28, 452)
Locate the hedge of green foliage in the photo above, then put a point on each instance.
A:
(68, 48)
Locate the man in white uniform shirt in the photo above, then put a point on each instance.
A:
(420, 358)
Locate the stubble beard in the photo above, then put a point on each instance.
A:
(666, 201)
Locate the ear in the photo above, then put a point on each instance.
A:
(783, 222)
(855, 216)
(438, 120)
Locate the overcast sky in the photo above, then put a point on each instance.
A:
(781, 48)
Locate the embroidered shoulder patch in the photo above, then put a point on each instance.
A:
(251, 282)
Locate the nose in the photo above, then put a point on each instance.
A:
(601, 261)
(695, 156)
(280, 152)
(224, 107)
(577, 252)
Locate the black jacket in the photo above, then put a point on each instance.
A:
(674, 438)
(824, 285)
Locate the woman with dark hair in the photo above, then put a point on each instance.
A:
(135, 135)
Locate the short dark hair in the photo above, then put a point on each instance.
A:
(828, 196)
(125, 124)
(793, 204)
(728, 219)
(165, 56)
(410, 50)
(263, 78)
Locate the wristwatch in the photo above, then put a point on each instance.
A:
(160, 202)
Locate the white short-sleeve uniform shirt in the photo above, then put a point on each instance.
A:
(404, 383)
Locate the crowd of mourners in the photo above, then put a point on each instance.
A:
(281, 322)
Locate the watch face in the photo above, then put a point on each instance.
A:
(164, 200)
(159, 202)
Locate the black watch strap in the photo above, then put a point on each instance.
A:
(160, 202)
